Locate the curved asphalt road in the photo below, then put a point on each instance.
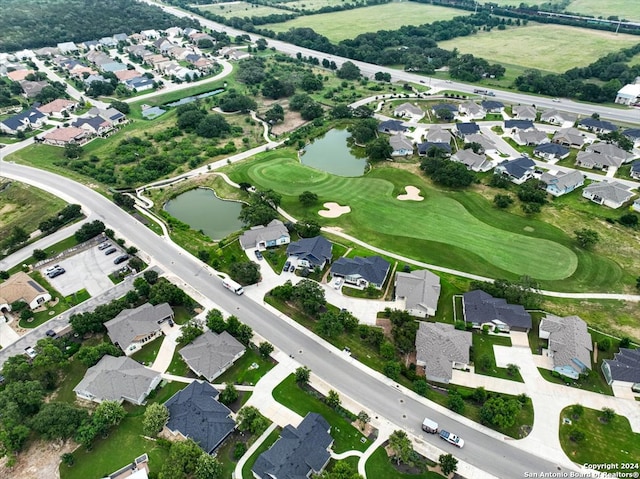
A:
(486, 452)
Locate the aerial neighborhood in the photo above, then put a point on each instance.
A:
(236, 243)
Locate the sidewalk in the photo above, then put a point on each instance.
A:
(237, 473)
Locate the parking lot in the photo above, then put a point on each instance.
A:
(89, 270)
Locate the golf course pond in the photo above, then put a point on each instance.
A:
(201, 209)
(332, 154)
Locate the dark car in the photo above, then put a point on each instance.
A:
(286, 267)
(292, 268)
(171, 323)
(110, 251)
(121, 258)
(258, 254)
(57, 272)
(51, 333)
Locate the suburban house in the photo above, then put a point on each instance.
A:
(58, 108)
(557, 117)
(195, 413)
(113, 67)
(486, 144)
(635, 170)
(114, 116)
(437, 134)
(361, 272)
(450, 107)
(570, 137)
(211, 354)
(472, 110)
(440, 347)
(108, 42)
(407, 110)
(32, 89)
(597, 161)
(464, 129)
(66, 47)
(21, 287)
(423, 148)
(609, 149)
(392, 127)
(150, 34)
(569, 344)
(492, 106)
(481, 308)
(613, 195)
(94, 125)
(263, 237)
(560, 182)
(32, 118)
(634, 135)
(139, 83)
(65, 136)
(93, 78)
(117, 379)
(174, 32)
(19, 75)
(530, 137)
(133, 328)
(138, 469)
(523, 112)
(421, 290)
(311, 252)
(551, 151)
(629, 94)
(234, 53)
(624, 369)
(597, 126)
(518, 170)
(401, 145)
(514, 125)
(124, 75)
(299, 452)
(472, 160)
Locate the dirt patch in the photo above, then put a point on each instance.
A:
(412, 194)
(334, 210)
(385, 324)
(292, 121)
(40, 460)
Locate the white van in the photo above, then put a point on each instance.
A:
(231, 285)
(429, 426)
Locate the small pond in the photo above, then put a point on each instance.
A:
(332, 154)
(201, 209)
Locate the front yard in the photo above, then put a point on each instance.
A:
(243, 371)
(483, 350)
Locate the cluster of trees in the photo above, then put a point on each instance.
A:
(64, 216)
(524, 291)
(234, 101)
(216, 323)
(306, 295)
(89, 230)
(309, 108)
(261, 208)
(193, 119)
(10, 92)
(446, 172)
(16, 238)
(187, 460)
(245, 272)
(29, 25)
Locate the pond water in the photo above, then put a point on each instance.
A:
(332, 154)
(201, 209)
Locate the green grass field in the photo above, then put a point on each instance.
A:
(553, 48)
(380, 465)
(241, 9)
(375, 211)
(625, 9)
(342, 25)
(312, 5)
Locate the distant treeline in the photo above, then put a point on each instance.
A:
(36, 24)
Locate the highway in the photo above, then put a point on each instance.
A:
(489, 454)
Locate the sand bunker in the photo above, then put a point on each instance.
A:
(334, 210)
(413, 194)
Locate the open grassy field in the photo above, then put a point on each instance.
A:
(241, 9)
(342, 25)
(625, 9)
(554, 48)
(312, 5)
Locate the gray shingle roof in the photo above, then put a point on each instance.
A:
(423, 148)
(196, 413)
(524, 112)
(316, 250)
(421, 289)
(518, 167)
(372, 268)
(481, 307)
(210, 354)
(400, 142)
(438, 135)
(563, 180)
(141, 321)
(439, 345)
(554, 114)
(471, 160)
(408, 108)
(597, 124)
(489, 105)
(625, 365)
(571, 136)
(297, 452)
(274, 230)
(569, 340)
(614, 192)
(115, 379)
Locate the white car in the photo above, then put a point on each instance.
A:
(337, 283)
(557, 100)
(30, 352)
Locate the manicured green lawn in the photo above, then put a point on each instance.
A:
(178, 367)
(72, 376)
(271, 438)
(483, 344)
(241, 371)
(594, 382)
(346, 437)
(182, 314)
(603, 443)
(379, 466)
(148, 354)
(78, 297)
(458, 229)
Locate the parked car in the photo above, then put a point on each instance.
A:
(258, 254)
(57, 272)
(171, 323)
(451, 438)
(292, 268)
(51, 333)
(29, 351)
(51, 269)
(337, 283)
(556, 100)
(120, 259)
(429, 426)
(286, 267)
(104, 245)
(110, 251)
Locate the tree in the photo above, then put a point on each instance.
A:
(340, 470)
(121, 106)
(39, 254)
(182, 461)
(448, 464)
(307, 228)
(587, 238)
(455, 402)
(265, 348)
(250, 419)
(382, 76)
(89, 230)
(302, 375)
(72, 151)
(628, 219)
(57, 420)
(625, 342)
(307, 198)
(215, 321)
(500, 412)
(608, 414)
(421, 387)
(392, 369)
(274, 114)
(257, 214)
(124, 201)
(229, 394)
(333, 399)
(401, 446)
(208, 467)
(154, 419)
(27, 396)
(311, 111)
(107, 415)
(244, 334)
(479, 395)
(512, 369)
(309, 295)
(502, 201)
(68, 459)
(577, 410)
(485, 362)
(363, 419)
(190, 331)
(403, 330)
(379, 149)
(330, 325)
(150, 276)
(604, 344)
(447, 173)
(576, 434)
(245, 272)
(341, 110)
(348, 71)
